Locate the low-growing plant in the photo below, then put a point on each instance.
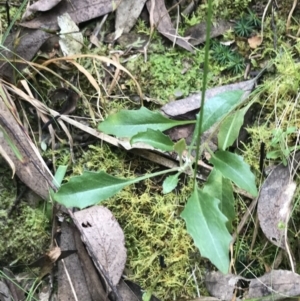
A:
(253, 19)
(247, 24)
(209, 210)
(227, 58)
(279, 144)
(237, 64)
(222, 54)
(243, 27)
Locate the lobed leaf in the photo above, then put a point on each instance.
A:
(234, 168)
(220, 188)
(206, 224)
(170, 183)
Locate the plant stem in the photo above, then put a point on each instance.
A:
(155, 174)
(204, 82)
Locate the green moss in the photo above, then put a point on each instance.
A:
(165, 74)
(24, 234)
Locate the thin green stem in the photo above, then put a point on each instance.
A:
(204, 83)
(12, 23)
(155, 174)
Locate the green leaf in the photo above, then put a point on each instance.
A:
(147, 295)
(58, 178)
(89, 189)
(230, 129)
(220, 188)
(216, 107)
(206, 224)
(154, 138)
(170, 183)
(234, 168)
(180, 146)
(128, 123)
(274, 154)
(60, 174)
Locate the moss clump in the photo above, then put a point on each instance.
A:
(24, 234)
(164, 74)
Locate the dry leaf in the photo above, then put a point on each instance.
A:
(26, 42)
(4, 291)
(126, 16)
(15, 290)
(41, 5)
(274, 204)
(104, 239)
(70, 39)
(275, 285)
(255, 41)
(193, 102)
(197, 33)
(71, 280)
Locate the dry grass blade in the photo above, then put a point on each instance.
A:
(30, 167)
(95, 57)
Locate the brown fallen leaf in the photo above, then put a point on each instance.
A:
(25, 42)
(93, 281)
(276, 285)
(192, 103)
(72, 283)
(197, 33)
(255, 41)
(41, 5)
(274, 203)
(79, 11)
(126, 16)
(104, 239)
(15, 290)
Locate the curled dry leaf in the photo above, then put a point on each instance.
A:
(104, 239)
(255, 41)
(54, 254)
(274, 204)
(276, 285)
